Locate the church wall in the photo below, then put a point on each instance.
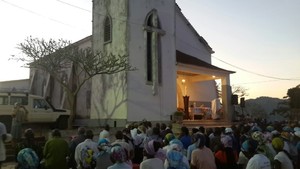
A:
(187, 40)
(108, 96)
(142, 104)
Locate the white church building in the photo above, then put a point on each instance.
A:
(165, 49)
(171, 59)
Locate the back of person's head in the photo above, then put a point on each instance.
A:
(119, 135)
(29, 134)
(56, 133)
(81, 131)
(163, 126)
(201, 140)
(118, 154)
(194, 130)
(155, 131)
(89, 134)
(218, 131)
(278, 144)
(185, 130)
(107, 128)
(202, 129)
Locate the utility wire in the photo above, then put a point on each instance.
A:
(258, 74)
(40, 15)
(124, 20)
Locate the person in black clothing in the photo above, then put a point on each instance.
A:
(73, 144)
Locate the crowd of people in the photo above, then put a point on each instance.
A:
(147, 146)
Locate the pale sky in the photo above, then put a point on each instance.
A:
(259, 39)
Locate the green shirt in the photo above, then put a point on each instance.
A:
(55, 152)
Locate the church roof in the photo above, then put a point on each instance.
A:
(200, 38)
(191, 60)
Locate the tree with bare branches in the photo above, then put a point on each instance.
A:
(56, 56)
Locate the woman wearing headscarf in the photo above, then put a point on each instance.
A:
(151, 161)
(175, 158)
(119, 157)
(226, 158)
(247, 151)
(282, 159)
(103, 158)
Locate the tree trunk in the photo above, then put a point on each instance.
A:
(73, 107)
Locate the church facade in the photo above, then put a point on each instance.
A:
(171, 59)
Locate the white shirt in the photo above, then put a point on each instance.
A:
(152, 163)
(89, 143)
(259, 161)
(285, 161)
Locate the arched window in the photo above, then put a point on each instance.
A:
(153, 33)
(107, 29)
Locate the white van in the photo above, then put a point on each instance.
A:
(39, 110)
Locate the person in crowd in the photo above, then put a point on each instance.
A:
(247, 151)
(79, 138)
(130, 150)
(156, 135)
(185, 138)
(105, 132)
(164, 130)
(202, 157)
(202, 130)
(282, 159)
(193, 146)
(139, 141)
(4, 137)
(263, 146)
(56, 152)
(118, 156)
(169, 137)
(86, 152)
(103, 158)
(28, 152)
(258, 160)
(151, 161)
(289, 147)
(297, 142)
(175, 157)
(226, 158)
(215, 142)
(27, 159)
(19, 116)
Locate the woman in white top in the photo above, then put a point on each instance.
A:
(282, 160)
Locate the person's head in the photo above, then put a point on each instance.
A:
(201, 140)
(17, 105)
(103, 144)
(227, 141)
(155, 131)
(29, 134)
(277, 144)
(249, 147)
(202, 129)
(185, 131)
(118, 154)
(89, 134)
(194, 130)
(151, 148)
(163, 126)
(81, 130)
(169, 137)
(119, 135)
(56, 133)
(107, 128)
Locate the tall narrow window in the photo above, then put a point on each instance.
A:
(153, 33)
(107, 29)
